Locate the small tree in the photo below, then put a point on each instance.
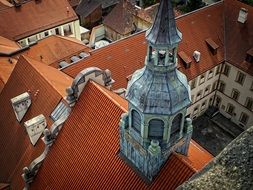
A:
(250, 2)
(194, 4)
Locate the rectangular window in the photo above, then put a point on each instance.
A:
(195, 111)
(226, 70)
(244, 118)
(207, 90)
(235, 94)
(57, 31)
(46, 33)
(198, 95)
(251, 87)
(240, 78)
(214, 86)
(249, 103)
(210, 74)
(193, 84)
(203, 106)
(222, 86)
(230, 109)
(217, 70)
(202, 79)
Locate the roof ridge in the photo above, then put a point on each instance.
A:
(200, 9)
(69, 40)
(33, 64)
(103, 90)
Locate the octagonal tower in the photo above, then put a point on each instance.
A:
(158, 96)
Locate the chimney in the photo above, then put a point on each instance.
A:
(249, 55)
(21, 104)
(35, 127)
(185, 58)
(243, 14)
(196, 56)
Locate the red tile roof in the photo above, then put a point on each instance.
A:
(15, 146)
(33, 17)
(196, 28)
(122, 58)
(6, 68)
(8, 46)
(54, 49)
(85, 154)
(120, 19)
(127, 55)
(239, 37)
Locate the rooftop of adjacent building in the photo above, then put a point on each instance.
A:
(231, 169)
(18, 22)
(50, 51)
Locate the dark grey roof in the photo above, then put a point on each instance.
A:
(231, 169)
(158, 92)
(164, 32)
(86, 7)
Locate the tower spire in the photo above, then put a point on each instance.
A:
(158, 96)
(164, 32)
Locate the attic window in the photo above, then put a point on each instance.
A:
(212, 45)
(35, 127)
(20, 105)
(186, 59)
(249, 56)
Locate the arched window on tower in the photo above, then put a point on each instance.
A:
(136, 121)
(155, 129)
(175, 127)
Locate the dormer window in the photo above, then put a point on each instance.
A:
(35, 127)
(20, 105)
(249, 56)
(212, 46)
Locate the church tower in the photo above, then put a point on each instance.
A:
(158, 96)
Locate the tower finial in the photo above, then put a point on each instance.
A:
(164, 32)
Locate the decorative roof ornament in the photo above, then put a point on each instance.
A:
(164, 31)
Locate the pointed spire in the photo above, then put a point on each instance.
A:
(164, 32)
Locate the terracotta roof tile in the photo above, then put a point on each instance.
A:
(95, 164)
(196, 28)
(34, 17)
(55, 48)
(58, 80)
(15, 146)
(8, 46)
(120, 19)
(122, 58)
(6, 68)
(239, 37)
(127, 55)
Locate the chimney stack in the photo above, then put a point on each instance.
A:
(243, 14)
(196, 56)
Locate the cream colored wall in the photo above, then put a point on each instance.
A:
(244, 90)
(75, 28)
(205, 96)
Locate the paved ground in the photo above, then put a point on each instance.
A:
(214, 134)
